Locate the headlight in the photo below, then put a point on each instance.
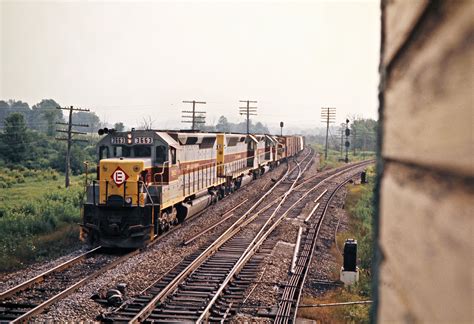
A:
(128, 200)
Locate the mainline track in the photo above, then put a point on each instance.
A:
(189, 291)
(289, 300)
(32, 297)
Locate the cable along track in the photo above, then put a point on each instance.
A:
(188, 291)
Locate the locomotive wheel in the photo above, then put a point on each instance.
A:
(164, 225)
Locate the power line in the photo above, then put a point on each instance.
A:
(249, 111)
(69, 138)
(199, 119)
(328, 115)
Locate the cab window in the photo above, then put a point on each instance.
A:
(104, 152)
(142, 151)
(160, 154)
(173, 155)
(121, 151)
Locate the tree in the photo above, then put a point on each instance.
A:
(147, 123)
(4, 111)
(15, 139)
(223, 125)
(259, 128)
(119, 127)
(88, 118)
(45, 115)
(364, 134)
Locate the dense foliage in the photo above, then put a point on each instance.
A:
(37, 218)
(223, 125)
(22, 147)
(362, 138)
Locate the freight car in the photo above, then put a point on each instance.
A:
(150, 180)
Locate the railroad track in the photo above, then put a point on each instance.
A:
(32, 297)
(191, 289)
(290, 297)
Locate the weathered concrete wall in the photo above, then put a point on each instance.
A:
(426, 203)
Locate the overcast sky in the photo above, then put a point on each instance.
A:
(126, 60)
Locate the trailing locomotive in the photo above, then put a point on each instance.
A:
(150, 180)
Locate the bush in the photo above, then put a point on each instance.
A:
(21, 228)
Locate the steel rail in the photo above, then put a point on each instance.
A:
(223, 238)
(294, 279)
(300, 278)
(39, 278)
(252, 247)
(146, 311)
(40, 308)
(226, 216)
(276, 223)
(124, 305)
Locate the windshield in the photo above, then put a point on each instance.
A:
(122, 151)
(142, 151)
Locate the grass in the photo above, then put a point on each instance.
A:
(335, 159)
(359, 205)
(38, 216)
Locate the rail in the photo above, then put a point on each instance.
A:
(28, 283)
(296, 281)
(210, 250)
(40, 308)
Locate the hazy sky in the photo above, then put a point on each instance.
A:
(126, 60)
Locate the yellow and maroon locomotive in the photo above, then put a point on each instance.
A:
(150, 180)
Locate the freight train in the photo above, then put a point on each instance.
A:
(150, 180)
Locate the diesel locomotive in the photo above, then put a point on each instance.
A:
(149, 180)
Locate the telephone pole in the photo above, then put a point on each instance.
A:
(249, 111)
(200, 119)
(328, 115)
(69, 138)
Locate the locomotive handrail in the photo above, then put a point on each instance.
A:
(160, 173)
(147, 192)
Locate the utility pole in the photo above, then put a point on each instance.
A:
(328, 115)
(69, 138)
(249, 111)
(192, 114)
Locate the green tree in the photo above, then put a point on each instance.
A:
(364, 134)
(45, 116)
(119, 127)
(4, 111)
(223, 124)
(89, 118)
(259, 128)
(15, 138)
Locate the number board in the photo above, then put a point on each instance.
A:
(118, 140)
(143, 140)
